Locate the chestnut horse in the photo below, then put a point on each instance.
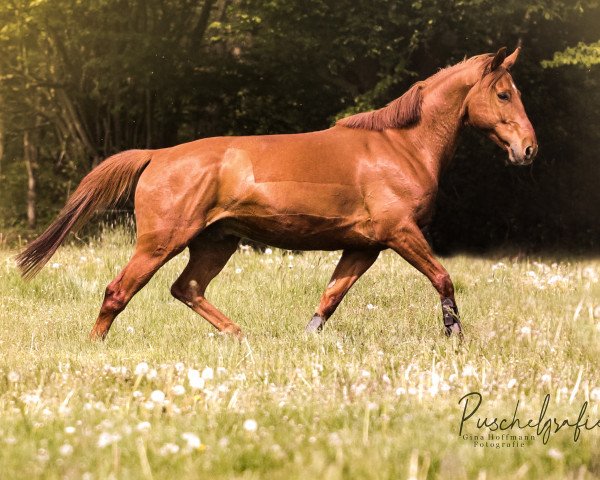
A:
(364, 185)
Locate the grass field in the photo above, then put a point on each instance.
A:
(375, 396)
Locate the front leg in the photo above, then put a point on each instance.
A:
(409, 242)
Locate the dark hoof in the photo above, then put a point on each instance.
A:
(454, 329)
(315, 325)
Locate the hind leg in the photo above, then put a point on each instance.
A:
(349, 269)
(208, 256)
(151, 253)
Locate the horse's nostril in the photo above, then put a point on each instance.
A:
(528, 152)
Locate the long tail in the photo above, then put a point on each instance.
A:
(102, 188)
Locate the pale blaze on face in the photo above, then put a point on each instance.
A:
(495, 107)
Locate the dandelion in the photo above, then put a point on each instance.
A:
(178, 390)
(13, 377)
(179, 367)
(370, 306)
(130, 330)
(143, 426)
(401, 391)
(224, 442)
(268, 251)
(168, 449)
(526, 330)
(511, 383)
(152, 374)
(43, 455)
(137, 394)
(498, 266)
(105, 439)
(157, 396)
(56, 265)
(250, 425)
(196, 383)
(555, 454)
(468, 371)
(31, 399)
(192, 441)
(208, 373)
(69, 430)
(149, 405)
(546, 378)
(335, 439)
(65, 450)
(141, 368)
(238, 270)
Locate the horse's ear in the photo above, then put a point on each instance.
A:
(511, 59)
(498, 59)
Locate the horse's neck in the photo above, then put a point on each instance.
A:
(442, 118)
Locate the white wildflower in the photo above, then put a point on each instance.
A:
(141, 368)
(555, 454)
(268, 251)
(178, 390)
(65, 450)
(143, 426)
(511, 383)
(105, 439)
(250, 425)
(526, 330)
(196, 383)
(69, 430)
(192, 440)
(208, 373)
(168, 449)
(157, 396)
(498, 266)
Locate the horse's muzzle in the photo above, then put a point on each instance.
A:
(522, 156)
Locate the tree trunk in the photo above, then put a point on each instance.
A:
(1, 146)
(30, 157)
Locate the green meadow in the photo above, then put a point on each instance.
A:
(375, 396)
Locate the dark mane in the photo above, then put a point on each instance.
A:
(406, 110)
(402, 112)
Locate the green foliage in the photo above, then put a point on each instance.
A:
(582, 54)
(88, 79)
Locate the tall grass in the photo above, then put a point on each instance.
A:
(374, 396)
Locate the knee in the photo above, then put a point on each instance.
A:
(443, 284)
(186, 292)
(114, 300)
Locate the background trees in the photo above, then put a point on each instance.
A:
(82, 80)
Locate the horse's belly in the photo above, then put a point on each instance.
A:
(299, 232)
(300, 216)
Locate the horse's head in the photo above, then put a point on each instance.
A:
(494, 106)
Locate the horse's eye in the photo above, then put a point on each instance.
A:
(504, 96)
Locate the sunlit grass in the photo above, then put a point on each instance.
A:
(374, 396)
